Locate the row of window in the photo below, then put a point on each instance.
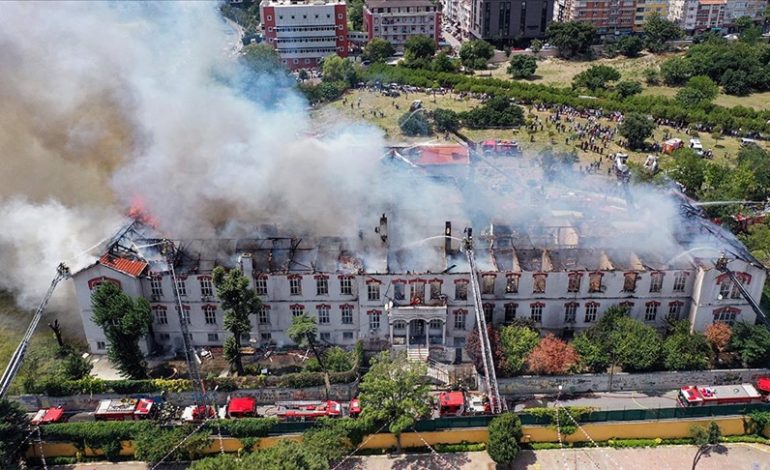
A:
(571, 311)
(311, 39)
(302, 29)
(404, 9)
(304, 17)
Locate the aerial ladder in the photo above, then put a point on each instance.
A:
(14, 365)
(721, 266)
(490, 376)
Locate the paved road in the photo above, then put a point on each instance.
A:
(623, 400)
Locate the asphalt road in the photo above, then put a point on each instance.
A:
(609, 401)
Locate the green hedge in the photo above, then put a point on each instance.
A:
(243, 427)
(96, 435)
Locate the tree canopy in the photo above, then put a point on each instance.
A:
(446, 120)
(752, 343)
(496, 112)
(476, 53)
(338, 69)
(415, 123)
(125, 321)
(522, 66)
(552, 356)
(628, 88)
(658, 32)
(572, 38)
(504, 435)
(14, 425)
(419, 50)
(596, 77)
(378, 50)
(239, 301)
(698, 91)
(636, 128)
(630, 46)
(262, 58)
(516, 343)
(683, 350)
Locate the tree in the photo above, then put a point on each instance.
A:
(595, 77)
(394, 392)
(446, 120)
(75, 367)
(378, 50)
(504, 435)
(552, 356)
(630, 46)
(683, 350)
(522, 66)
(676, 71)
(415, 123)
(628, 88)
(636, 128)
(303, 331)
(516, 342)
(14, 427)
(704, 438)
(748, 31)
(688, 169)
(499, 111)
(154, 443)
(419, 49)
(735, 82)
(536, 46)
(473, 348)
(442, 63)
(337, 359)
(635, 346)
(718, 335)
(476, 53)
(752, 343)
(337, 69)
(356, 14)
(302, 75)
(239, 301)
(698, 91)
(572, 38)
(658, 31)
(124, 321)
(262, 58)
(757, 240)
(651, 76)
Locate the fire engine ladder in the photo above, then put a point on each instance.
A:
(487, 359)
(721, 266)
(199, 389)
(62, 272)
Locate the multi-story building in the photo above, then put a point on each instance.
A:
(646, 8)
(609, 17)
(303, 32)
(753, 9)
(506, 20)
(698, 15)
(398, 20)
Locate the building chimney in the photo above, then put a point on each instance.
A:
(383, 228)
(447, 239)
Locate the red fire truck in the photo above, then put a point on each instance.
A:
(461, 404)
(124, 409)
(241, 407)
(703, 395)
(306, 410)
(354, 409)
(500, 147)
(49, 415)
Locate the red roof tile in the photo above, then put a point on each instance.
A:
(126, 266)
(444, 155)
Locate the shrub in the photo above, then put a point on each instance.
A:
(243, 427)
(504, 436)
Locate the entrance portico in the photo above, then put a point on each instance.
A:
(417, 325)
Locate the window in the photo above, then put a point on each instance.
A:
(570, 312)
(656, 281)
(326, 336)
(295, 285)
(297, 310)
(210, 313)
(418, 292)
(322, 285)
(435, 289)
(347, 314)
(651, 311)
(724, 288)
(539, 284)
(185, 315)
(323, 314)
(374, 319)
(629, 282)
(346, 285)
(156, 286)
(398, 290)
(680, 279)
(435, 324)
(267, 337)
(263, 315)
(726, 315)
(674, 310)
(165, 336)
(573, 284)
(101, 345)
(591, 309)
(512, 284)
(160, 315)
(373, 291)
(595, 283)
(260, 285)
(399, 325)
(536, 312)
(181, 286)
(213, 337)
(347, 335)
(489, 310)
(510, 313)
(460, 319)
(207, 289)
(461, 290)
(488, 284)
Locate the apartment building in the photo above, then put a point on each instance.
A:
(609, 17)
(398, 20)
(698, 15)
(753, 9)
(506, 21)
(303, 32)
(646, 8)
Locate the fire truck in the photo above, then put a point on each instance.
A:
(461, 404)
(124, 409)
(354, 408)
(500, 147)
(306, 410)
(48, 416)
(240, 407)
(703, 395)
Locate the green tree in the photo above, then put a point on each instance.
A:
(748, 31)
(516, 342)
(499, 111)
(394, 392)
(14, 427)
(446, 120)
(476, 53)
(536, 46)
(336, 69)
(75, 367)
(262, 58)
(735, 82)
(704, 438)
(504, 435)
(572, 38)
(303, 332)
(154, 443)
(302, 75)
(752, 343)
(683, 350)
(124, 321)
(651, 76)
(636, 128)
(658, 32)
(414, 123)
(337, 359)
(378, 50)
(239, 301)
(698, 91)
(635, 346)
(443, 63)
(628, 88)
(418, 50)
(676, 71)
(356, 15)
(522, 66)
(687, 168)
(757, 240)
(595, 77)
(630, 46)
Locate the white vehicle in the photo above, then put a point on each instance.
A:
(696, 146)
